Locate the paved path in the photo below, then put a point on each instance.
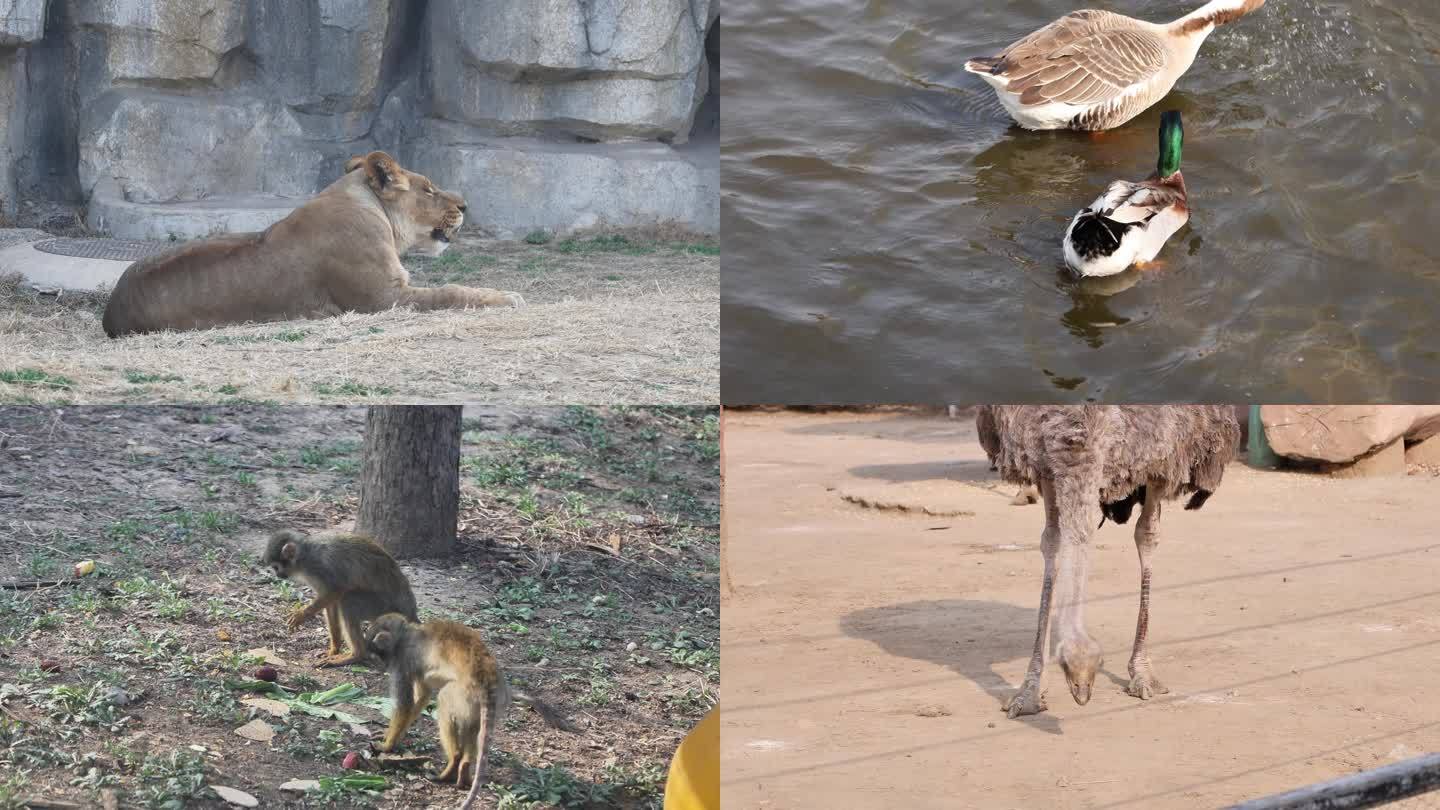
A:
(49, 271)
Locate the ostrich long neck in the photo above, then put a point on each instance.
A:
(1072, 568)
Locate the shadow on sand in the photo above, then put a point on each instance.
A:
(968, 636)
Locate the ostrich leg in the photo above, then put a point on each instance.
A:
(1031, 699)
(1143, 683)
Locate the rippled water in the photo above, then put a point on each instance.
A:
(890, 236)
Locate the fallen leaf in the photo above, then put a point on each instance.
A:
(222, 634)
(236, 797)
(269, 656)
(360, 730)
(257, 730)
(274, 707)
(335, 694)
(301, 785)
(614, 539)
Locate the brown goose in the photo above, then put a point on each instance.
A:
(1096, 69)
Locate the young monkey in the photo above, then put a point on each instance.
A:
(355, 580)
(473, 695)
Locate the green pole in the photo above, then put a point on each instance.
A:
(1260, 453)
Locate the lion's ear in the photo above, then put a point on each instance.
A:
(354, 163)
(385, 173)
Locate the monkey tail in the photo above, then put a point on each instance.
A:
(490, 713)
(547, 712)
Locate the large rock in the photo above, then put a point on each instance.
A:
(12, 125)
(514, 185)
(325, 59)
(150, 147)
(160, 40)
(1335, 434)
(604, 69)
(21, 21)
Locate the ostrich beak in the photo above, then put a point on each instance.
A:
(1080, 663)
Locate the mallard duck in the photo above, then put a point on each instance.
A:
(1130, 222)
(1095, 69)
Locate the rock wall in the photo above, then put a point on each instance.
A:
(559, 114)
(22, 22)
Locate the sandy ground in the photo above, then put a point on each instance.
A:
(634, 320)
(867, 650)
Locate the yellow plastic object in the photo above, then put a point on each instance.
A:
(694, 781)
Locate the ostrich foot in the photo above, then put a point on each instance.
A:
(1028, 700)
(1145, 687)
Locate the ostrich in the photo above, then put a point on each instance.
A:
(1093, 462)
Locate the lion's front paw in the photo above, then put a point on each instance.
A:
(515, 299)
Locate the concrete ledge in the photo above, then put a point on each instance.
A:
(48, 271)
(186, 220)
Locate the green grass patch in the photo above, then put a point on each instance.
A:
(605, 244)
(540, 236)
(37, 378)
(284, 336)
(456, 264)
(351, 388)
(336, 456)
(141, 377)
(697, 248)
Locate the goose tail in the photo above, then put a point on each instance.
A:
(984, 64)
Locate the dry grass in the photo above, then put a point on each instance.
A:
(610, 320)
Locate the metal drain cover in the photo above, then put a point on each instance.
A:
(120, 250)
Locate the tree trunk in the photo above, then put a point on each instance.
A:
(725, 587)
(410, 479)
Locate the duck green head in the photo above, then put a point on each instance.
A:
(1172, 135)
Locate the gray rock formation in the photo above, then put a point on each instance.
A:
(21, 22)
(514, 185)
(604, 69)
(185, 117)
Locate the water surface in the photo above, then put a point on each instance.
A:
(891, 236)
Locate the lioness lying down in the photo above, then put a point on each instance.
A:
(339, 252)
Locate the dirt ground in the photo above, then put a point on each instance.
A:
(589, 542)
(868, 648)
(611, 319)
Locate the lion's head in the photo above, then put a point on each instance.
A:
(423, 215)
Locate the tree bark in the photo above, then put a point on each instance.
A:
(410, 479)
(725, 587)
